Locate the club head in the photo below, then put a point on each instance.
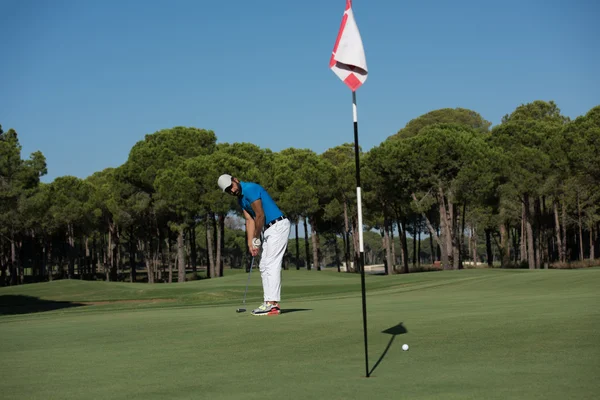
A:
(239, 310)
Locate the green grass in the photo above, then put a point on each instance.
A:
(473, 334)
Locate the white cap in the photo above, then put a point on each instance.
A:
(224, 181)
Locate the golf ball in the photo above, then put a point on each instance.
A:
(404, 347)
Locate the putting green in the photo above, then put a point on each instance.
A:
(473, 334)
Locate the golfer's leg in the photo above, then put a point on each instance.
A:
(276, 239)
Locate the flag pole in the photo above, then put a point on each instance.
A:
(360, 231)
(348, 62)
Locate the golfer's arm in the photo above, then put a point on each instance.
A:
(249, 227)
(259, 218)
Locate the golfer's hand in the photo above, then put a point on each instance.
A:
(253, 249)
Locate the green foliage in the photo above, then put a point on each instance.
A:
(341, 162)
(69, 201)
(175, 191)
(445, 157)
(302, 180)
(205, 171)
(165, 149)
(459, 116)
(528, 137)
(260, 167)
(19, 180)
(583, 140)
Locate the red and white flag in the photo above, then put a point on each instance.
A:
(348, 57)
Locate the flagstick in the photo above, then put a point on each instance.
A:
(360, 231)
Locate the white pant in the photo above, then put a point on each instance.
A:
(275, 240)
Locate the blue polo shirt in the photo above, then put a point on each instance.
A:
(252, 192)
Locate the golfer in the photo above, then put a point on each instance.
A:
(263, 219)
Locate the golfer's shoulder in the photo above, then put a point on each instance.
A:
(253, 189)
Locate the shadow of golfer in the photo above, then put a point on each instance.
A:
(394, 331)
(290, 310)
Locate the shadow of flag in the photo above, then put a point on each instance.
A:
(394, 331)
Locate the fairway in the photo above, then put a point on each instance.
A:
(473, 334)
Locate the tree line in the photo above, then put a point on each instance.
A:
(525, 191)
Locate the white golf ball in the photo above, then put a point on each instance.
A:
(404, 347)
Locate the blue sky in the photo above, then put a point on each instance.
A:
(83, 81)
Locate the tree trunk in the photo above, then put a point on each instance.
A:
(221, 243)
(214, 218)
(538, 245)
(356, 246)
(529, 227)
(564, 232)
(461, 238)
(592, 250)
(444, 236)
(433, 257)
(42, 258)
(414, 235)
(456, 251)
(446, 219)
(210, 270)
(580, 229)
(167, 256)
(13, 263)
(315, 243)
(100, 261)
(470, 242)
(389, 264)
(3, 263)
(132, 269)
(181, 255)
(504, 245)
(392, 244)
(433, 234)
(87, 261)
(306, 239)
(158, 265)
(146, 250)
(108, 263)
(158, 256)
(218, 246)
(404, 245)
(48, 257)
(557, 231)
(337, 253)
(119, 263)
(546, 237)
(523, 252)
(116, 258)
(383, 246)
(297, 246)
(152, 260)
(192, 242)
(401, 237)
(597, 237)
(488, 246)
(71, 251)
(149, 269)
(419, 246)
(94, 261)
(513, 238)
(346, 238)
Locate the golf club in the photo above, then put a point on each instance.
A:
(243, 309)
